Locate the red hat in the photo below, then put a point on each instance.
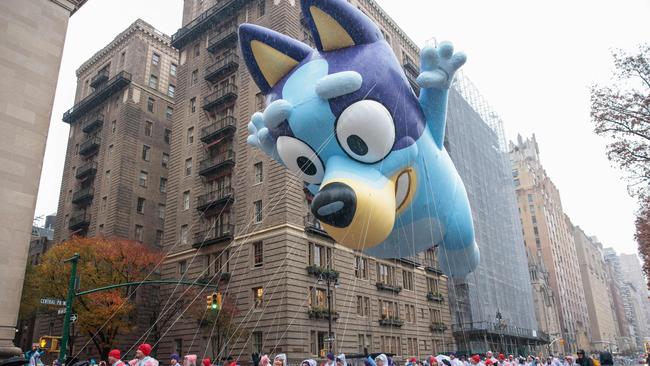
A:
(476, 358)
(206, 362)
(413, 360)
(115, 353)
(145, 348)
(488, 362)
(501, 356)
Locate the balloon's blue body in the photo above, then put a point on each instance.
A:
(345, 119)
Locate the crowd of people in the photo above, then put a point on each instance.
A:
(143, 358)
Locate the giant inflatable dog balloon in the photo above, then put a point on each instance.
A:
(345, 119)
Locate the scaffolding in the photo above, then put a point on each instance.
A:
(468, 90)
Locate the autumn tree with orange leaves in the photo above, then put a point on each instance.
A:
(621, 113)
(103, 315)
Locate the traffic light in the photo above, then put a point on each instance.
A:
(214, 301)
(50, 343)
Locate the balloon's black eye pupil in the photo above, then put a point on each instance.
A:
(306, 165)
(357, 145)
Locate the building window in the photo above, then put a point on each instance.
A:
(363, 306)
(317, 341)
(258, 342)
(385, 274)
(107, 176)
(76, 149)
(186, 200)
(407, 280)
(146, 153)
(109, 152)
(153, 81)
(433, 285)
(161, 211)
(430, 257)
(101, 231)
(140, 207)
(388, 309)
(517, 182)
(259, 101)
(435, 315)
(113, 127)
(258, 297)
(412, 346)
(168, 135)
(261, 8)
(257, 205)
(361, 268)
(319, 255)
(365, 343)
(195, 77)
(317, 297)
(164, 161)
(155, 59)
(182, 267)
(184, 234)
(142, 181)
(193, 105)
(122, 58)
(172, 69)
(163, 185)
(530, 198)
(169, 112)
(159, 237)
(148, 128)
(190, 135)
(188, 167)
(171, 90)
(410, 313)
(258, 254)
(197, 50)
(104, 203)
(259, 172)
(138, 232)
(150, 102)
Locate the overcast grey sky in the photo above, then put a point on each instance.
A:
(533, 60)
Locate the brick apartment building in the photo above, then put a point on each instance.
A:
(237, 218)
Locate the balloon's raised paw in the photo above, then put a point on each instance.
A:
(438, 66)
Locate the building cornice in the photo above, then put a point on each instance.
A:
(138, 26)
(70, 5)
(393, 24)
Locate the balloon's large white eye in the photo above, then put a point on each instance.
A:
(366, 131)
(300, 159)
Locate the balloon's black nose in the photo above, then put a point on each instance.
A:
(335, 205)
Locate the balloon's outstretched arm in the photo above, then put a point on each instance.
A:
(437, 69)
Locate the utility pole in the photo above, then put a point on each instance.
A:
(63, 352)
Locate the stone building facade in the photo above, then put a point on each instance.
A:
(595, 282)
(115, 175)
(546, 305)
(548, 236)
(633, 276)
(30, 56)
(239, 219)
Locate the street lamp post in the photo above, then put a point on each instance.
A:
(329, 277)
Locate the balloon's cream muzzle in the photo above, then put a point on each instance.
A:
(359, 209)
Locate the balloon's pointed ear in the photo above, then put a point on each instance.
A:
(336, 24)
(269, 55)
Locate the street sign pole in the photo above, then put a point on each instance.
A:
(63, 352)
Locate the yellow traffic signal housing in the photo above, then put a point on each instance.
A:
(50, 343)
(214, 301)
